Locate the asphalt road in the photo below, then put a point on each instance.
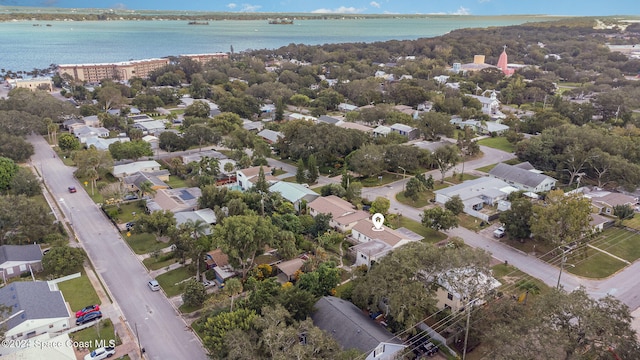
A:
(623, 285)
(161, 331)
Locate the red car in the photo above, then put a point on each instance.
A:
(72, 189)
(86, 310)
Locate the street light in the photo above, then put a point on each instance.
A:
(404, 173)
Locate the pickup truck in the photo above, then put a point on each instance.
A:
(499, 232)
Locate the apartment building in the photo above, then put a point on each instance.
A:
(124, 70)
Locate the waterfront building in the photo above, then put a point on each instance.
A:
(125, 70)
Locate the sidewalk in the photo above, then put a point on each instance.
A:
(111, 310)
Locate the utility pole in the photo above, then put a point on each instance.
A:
(404, 174)
(466, 332)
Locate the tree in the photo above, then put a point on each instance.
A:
(25, 182)
(198, 109)
(217, 326)
(435, 124)
(68, 142)
(368, 161)
(298, 302)
(242, 237)
(517, 220)
(232, 287)
(438, 218)
(623, 212)
(194, 293)
(63, 260)
(15, 148)
(322, 281)
(130, 150)
(455, 205)
(24, 220)
(562, 219)
(300, 172)
(445, 158)
(380, 205)
(109, 96)
(158, 222)
(8, 169)
(413, 189)
(200, 134)
(261, 184)
(170, 141)
(312, 169)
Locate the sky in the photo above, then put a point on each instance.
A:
(454, 7)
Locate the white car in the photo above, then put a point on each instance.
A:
(154, 285)
(101, 353)
(499, 232)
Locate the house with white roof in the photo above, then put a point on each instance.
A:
(480, 127)
(175, 200)
(295, 193)
(298, 116)
(103, 144)
(151, 127)
(344, 107)
(36, 307)
(523, 177)
(476, 193)
(85, 132)
(205, 215)
(490, 105)
(343, 215)
(382, 131)
(120, 171)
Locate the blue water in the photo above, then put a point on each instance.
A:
(25, 47)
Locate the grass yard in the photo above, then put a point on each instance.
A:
(278, 172)
(172, 281)
(487, 168)
(144, 243)
(619, 242)
(160, 262)
(499, 143)
(423, 199)
(596, 265)
(291, 179)
(470, 222)
(79, 292)
(456, 179)
(510, 275)
(430, 235)
(125, 214)
(101, 330)
(633, 223)
(374, 181)
(175, 182)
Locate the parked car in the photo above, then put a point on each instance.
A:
(87, 309)
(499, 232)
(101, 353)
(153, 285)
(131, 197)
(89, 317)
(430, 349)
(72, 189)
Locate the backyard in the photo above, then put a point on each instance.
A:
(79, 292)
(499, 143)
(172, 281)
(144, 243)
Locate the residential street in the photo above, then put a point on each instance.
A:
(623, 285)
(149, 315)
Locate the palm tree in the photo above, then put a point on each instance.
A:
(195, 230)
(232, 287)
(147, 188)
(93, 175)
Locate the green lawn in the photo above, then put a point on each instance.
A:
(171, 281)
(456, 179)
(470, 222)
(633, 223)
(279, 172)
(619, 242)
(291, 179)
(125, 214)
(499, 143)
(430, 235)
(162, 261)
(509, 275)
(486, 168)
(175, 182)
(374, 181)
(597, 265)
(423, 199)
(79, 292)
(144, 243)
(101, 330)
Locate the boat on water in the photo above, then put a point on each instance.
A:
(198, 23)
(284, 21)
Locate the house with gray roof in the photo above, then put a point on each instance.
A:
(35, 309)
(476, 193)
(175, 200)
(151, 127)
(206, 215)
(381, 130)
(156, 178)
(19, 259)
(523, 177)
(352, 329)
(103, 144)
(328, 120)
(270, 136)
(295, 193)
(405, 130)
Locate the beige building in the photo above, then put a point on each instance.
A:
(32, 84)
(125, 70)
(204, 58)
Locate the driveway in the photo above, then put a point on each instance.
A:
(148, 314)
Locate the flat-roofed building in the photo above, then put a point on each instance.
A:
(203, 58)
(124, 70)
(33, 84)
